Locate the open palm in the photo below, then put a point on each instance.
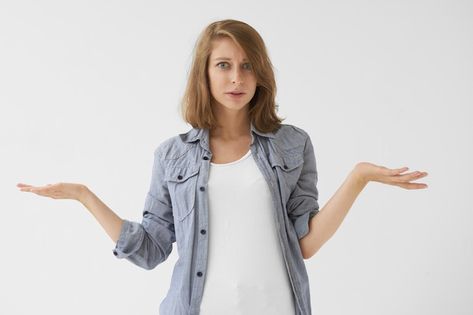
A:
(377, 173)
(55, 191)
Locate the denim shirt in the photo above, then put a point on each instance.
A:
(176, 210)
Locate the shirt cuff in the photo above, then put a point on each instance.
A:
(131, 236)
(301, 225)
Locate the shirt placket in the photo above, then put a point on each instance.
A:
(258, 156)
(200, 234)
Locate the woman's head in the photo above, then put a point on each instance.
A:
(248, 69)
(229, 71)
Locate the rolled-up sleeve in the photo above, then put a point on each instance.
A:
(149, 243)
(303, 202)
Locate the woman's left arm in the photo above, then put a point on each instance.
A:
(323, 225)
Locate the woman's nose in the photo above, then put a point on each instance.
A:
(237, 76)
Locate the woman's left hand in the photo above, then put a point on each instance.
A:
(376, 173)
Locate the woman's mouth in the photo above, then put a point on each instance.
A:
(236, 94)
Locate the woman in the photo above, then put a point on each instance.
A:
(237, 193)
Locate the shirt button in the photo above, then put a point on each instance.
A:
(202, 188)
(179, 177)
(203, 231)
(199, 274)
(205, 158)
(285, 166)
(115, 253)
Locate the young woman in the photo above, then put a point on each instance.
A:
(237, 192)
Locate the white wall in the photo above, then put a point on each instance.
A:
(88, 89)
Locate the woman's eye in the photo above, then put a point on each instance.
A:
(246, 65)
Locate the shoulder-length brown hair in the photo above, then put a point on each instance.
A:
(196, 102)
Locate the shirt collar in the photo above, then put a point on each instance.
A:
(202, 134)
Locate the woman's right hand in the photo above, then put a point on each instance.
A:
(56, 191)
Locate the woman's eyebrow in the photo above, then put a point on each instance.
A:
(226, 58)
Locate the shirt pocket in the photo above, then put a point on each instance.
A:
(287, 167)
(182, 183)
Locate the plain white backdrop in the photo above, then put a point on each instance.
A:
(88, 89)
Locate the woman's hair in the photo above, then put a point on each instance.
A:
(196, 102)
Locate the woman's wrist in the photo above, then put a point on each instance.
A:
(360, 174)
(83, 193)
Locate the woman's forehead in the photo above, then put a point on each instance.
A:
(226, 49)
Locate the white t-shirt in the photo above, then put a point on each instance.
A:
(246, 273)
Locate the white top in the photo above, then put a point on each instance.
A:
(246, 273)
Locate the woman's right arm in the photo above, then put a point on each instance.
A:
(146, 244)
(108, 219)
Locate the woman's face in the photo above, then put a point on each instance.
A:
(229, 71)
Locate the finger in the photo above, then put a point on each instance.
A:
(408, 177)
(22, 185)
(42, 192)
(417, 175)
(392, 171)
(412, 185)
(36, 191)
(399, 170)
(28, 189)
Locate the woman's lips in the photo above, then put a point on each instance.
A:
(235, 95)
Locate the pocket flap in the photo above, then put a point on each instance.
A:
(287, 162)
(181, 174)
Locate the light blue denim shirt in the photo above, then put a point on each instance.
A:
(176, 210)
